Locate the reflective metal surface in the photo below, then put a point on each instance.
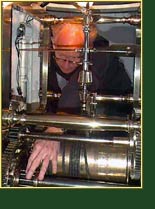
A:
(129, 20)
(105, 164)
(71, 138)
(129, 50)
(71, 122)
(95, 151)
(45, 65)
(137, 81)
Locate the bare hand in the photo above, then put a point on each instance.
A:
(43, 152)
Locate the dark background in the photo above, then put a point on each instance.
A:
(107, 198)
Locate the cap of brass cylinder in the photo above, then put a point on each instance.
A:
(85, 77)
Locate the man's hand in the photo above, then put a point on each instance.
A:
(43, 151)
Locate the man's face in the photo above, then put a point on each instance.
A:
(70, 37)
(68, 61)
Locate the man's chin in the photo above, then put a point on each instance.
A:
(67, 71)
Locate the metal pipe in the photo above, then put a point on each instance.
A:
(107, 7)
(130, 20)
(71, 122)
(23, 70)
(56, 137)
(122, 50)
(51, 94)
(98, 98)
(65, 182)
(111, 98)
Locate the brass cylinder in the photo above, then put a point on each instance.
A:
(94, 161)
(112, 161)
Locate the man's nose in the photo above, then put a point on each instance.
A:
(66, 63)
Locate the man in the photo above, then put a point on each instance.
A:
(109, 77)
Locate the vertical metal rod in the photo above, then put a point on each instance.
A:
(136, 92)
(86, 45)
(23, 69)
(86, 58)
(137, 78)
(44, 73)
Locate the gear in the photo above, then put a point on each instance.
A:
(10, 157)
(136, 169)
(8, 163)
(138, 159)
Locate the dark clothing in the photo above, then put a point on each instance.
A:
(109, 77)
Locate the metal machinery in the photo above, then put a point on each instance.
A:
(96, 150)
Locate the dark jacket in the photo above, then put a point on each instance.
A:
(109, 77)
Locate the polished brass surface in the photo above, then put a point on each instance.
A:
(111, 7)
(107, 162)
(128, 50)
(51, 95)
(71, 122)
(85, 77)
(43, 13)
(37, 10)
(103, 20)
(98, 98)
(45, 66)
(73, 138)
(130, 20)
(54, 181)
(111, 98)
(137, 78)
(86, 159)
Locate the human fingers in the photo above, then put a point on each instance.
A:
(54, 163)
(36, 161)
(34, 165)
(36, 150)
(54, 156)
(43, 168)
